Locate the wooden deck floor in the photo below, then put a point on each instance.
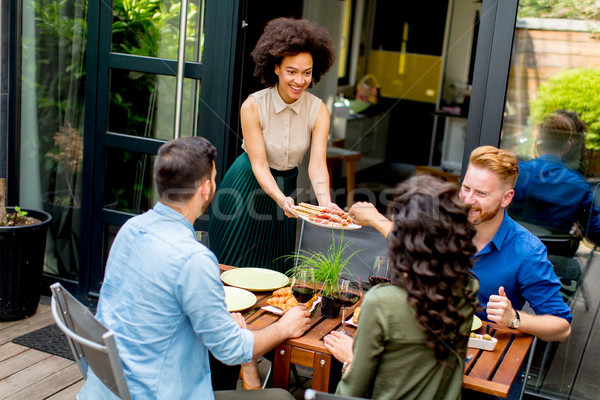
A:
(30, 374)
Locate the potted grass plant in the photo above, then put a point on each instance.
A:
(328, 266)
(22, 247)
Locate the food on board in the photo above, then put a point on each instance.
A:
(355, 315)
(324, 215)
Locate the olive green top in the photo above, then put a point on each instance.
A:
(391, 360)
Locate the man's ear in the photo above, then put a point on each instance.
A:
(507, 197)
(205, 189)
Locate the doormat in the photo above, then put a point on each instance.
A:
(48, 339)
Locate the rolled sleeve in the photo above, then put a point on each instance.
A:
(202, 298)
(541, 287)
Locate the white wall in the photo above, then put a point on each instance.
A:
(458, 53)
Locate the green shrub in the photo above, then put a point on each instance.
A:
(573, 90)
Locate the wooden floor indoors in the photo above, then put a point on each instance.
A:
(30, 374)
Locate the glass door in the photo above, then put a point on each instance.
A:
(149, 89)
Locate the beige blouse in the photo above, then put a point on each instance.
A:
(286, 128)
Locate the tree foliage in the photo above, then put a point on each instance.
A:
(574, 90)
(588, 10)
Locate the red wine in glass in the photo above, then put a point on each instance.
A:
(303, 293)
(376, 280)
(380, 272)
(303, 284)
(348, 293)
(346, 299)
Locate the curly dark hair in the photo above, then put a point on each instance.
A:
(288, 37)
(430, 250)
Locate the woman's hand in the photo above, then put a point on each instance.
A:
(288, 207)
(340, 346)
(364, 213)
(331, 205)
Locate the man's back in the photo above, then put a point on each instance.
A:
(549, 194)
(163, 297)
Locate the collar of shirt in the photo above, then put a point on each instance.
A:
(167, 212)
(281, 105)
(499, 237)
(550, 158)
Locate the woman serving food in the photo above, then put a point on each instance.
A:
(251, 224)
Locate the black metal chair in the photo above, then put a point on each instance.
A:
(366, 239)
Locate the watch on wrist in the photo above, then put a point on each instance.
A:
(345, 367)
(516, 323)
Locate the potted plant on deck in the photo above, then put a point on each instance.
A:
(328, 266)
(22, 247)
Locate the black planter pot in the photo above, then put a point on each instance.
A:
(329, 308)
(22, 250)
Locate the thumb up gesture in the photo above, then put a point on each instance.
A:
(499, 309)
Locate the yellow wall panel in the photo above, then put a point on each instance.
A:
(407, 76)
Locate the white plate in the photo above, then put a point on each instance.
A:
(344, 228)
(238, 299)
(350, 322)
(255, 279)
(476, 323)
(279, 311)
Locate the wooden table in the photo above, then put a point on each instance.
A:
(491, 372)
(437, 172)
(307, 351)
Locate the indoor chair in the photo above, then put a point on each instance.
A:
(92, 344)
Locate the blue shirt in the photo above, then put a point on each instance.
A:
(163, 297)
(517, 260)
(549, 194)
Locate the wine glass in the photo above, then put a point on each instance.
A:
(380, 272)
(202, 237)
(349, 289)
(303, 283)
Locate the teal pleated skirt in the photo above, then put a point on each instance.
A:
(247, 228)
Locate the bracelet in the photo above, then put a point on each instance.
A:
(345, 366)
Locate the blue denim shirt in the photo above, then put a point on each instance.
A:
(517, 260)
(163, 297)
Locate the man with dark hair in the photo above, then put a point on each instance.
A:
(163, 297)
(550, 194)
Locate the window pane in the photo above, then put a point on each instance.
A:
(52, 102)
(151, 28)
(144, 104)
(552, 123)
(129, 182)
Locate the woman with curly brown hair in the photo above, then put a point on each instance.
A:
(251, 225)
(412, 335)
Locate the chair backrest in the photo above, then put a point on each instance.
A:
(310, 394)
(557, 242)
(568, 271)
(92, 344)
(366, 239)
